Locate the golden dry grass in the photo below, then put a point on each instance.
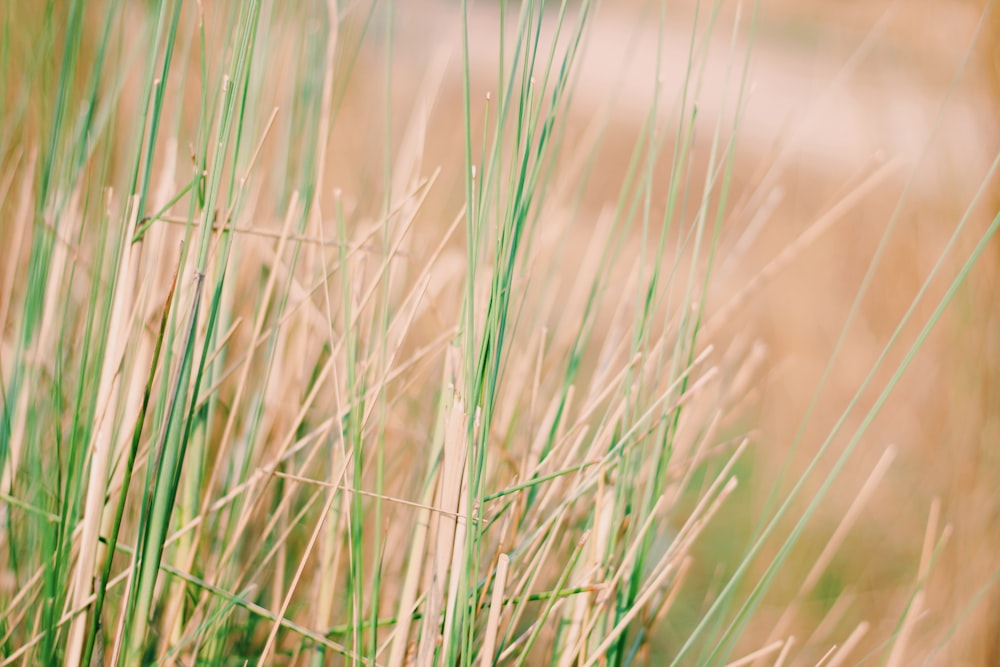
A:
(802, 226)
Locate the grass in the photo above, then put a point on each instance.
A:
(269, 399)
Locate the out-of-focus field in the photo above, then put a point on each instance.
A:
(861, 116)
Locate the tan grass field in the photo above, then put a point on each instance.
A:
(342, 451)
(843, 91)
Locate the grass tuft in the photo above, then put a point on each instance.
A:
(319, 347)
